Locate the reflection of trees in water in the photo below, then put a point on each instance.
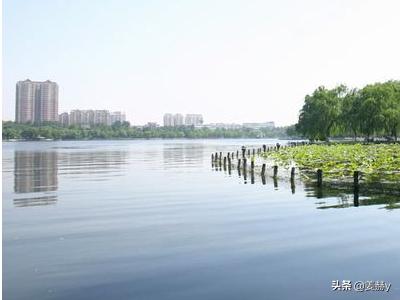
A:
(342, 195)
(182, 155)
(330, 195)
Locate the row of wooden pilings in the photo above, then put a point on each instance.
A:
(242, 163)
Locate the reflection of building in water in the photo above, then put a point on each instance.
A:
(35, 171)
(35, 201)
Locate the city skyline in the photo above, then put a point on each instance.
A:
(253, 64)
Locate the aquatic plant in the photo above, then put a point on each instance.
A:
(379, 162)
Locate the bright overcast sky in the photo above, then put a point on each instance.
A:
(232, 61)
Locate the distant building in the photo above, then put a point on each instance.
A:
(64, 119)
(36, 101)
(118, 116)
(175, 120)
(151, 125)
(89, 117)
(168, 120)
(178, 120)
(259, 125)
(102, 117)
(79, 117)
(193, 120)
(222, 125)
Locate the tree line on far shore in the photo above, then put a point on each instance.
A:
(12, 130)
(369, 112)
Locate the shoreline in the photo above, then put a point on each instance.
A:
(148, 139)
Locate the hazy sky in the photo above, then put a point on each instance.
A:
(232, 61)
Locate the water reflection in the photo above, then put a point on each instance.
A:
(183, 155)
(35, 171)
(36, 174)
(344, 195)
(35, 201)
(100, 165)
(333, 195)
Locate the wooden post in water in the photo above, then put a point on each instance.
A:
(239, 161)
(224, 162)
(356, 177)
(229, 155)
(263, 179)
(252, 167)
(216, 156)
(292, 172)
(265, 148)
(263, 170)
(292, 185)
(248, 152)
(244, 165)
(275, 171)
(319, 177)
(212, 157)
(254, 151)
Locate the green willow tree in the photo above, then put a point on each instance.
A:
(349, 116)
(371, 111)
(321, 112)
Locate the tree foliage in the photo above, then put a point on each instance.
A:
(123, 130)
(371, 111)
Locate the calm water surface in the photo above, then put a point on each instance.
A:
(154, 220)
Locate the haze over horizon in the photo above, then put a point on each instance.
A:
(232, 61)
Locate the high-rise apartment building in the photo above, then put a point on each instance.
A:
(36, 101)
(175, 120)
(168, 120)
(94, 117)
(193, 120)
(64, 119)
(178, 120)
(117, 116)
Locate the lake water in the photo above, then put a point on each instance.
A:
(154, 220)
